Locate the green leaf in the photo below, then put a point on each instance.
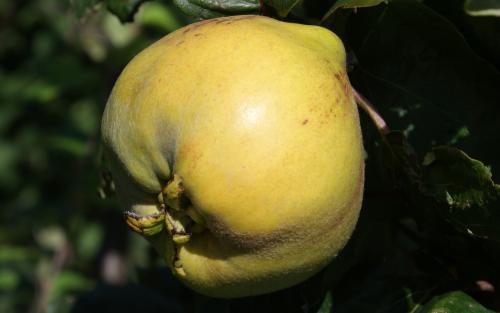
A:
(459, 180)
(351, 4)
(326, 306)
(160, 16)
(206, 9)
(194, 10)
(482, 7)
(453, 302)
(124, 9)
(228, 5)
(463, 187)
(282, 7)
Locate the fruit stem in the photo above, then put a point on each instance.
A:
(372, 113)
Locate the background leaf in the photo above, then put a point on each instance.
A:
(351, 4)
(282, 7)
(483, 7)
(470, 199)
(425, 78)
(124, 9)
(205, 9)
(453, 302)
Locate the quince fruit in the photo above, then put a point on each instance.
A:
(236, 149)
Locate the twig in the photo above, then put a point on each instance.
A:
(372, 113)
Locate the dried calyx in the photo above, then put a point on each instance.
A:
(176, 215)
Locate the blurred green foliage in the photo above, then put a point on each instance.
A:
(56, 73)
(429, 224)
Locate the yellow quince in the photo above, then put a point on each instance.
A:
(236, 149)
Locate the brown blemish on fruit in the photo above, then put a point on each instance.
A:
(304, 122)
(342, 78)
(179, 43)
(328, 113)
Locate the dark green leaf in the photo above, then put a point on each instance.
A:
(205, 9)
(464, 188)
(235, 6)
(124, 9)
(282, 7)
(459, 180)
(480, 32)
(483, 7)
(326, 306)
(453, 302)
(351, 4)
(195, 10)
(425, 79)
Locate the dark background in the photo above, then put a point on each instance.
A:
(429, 68)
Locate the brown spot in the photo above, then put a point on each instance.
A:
(197, 34)
(304, 122)
(179, 43)
(342, 77)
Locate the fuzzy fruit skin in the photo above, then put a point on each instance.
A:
(258, 119)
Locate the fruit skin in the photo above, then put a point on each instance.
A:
(257, 118)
